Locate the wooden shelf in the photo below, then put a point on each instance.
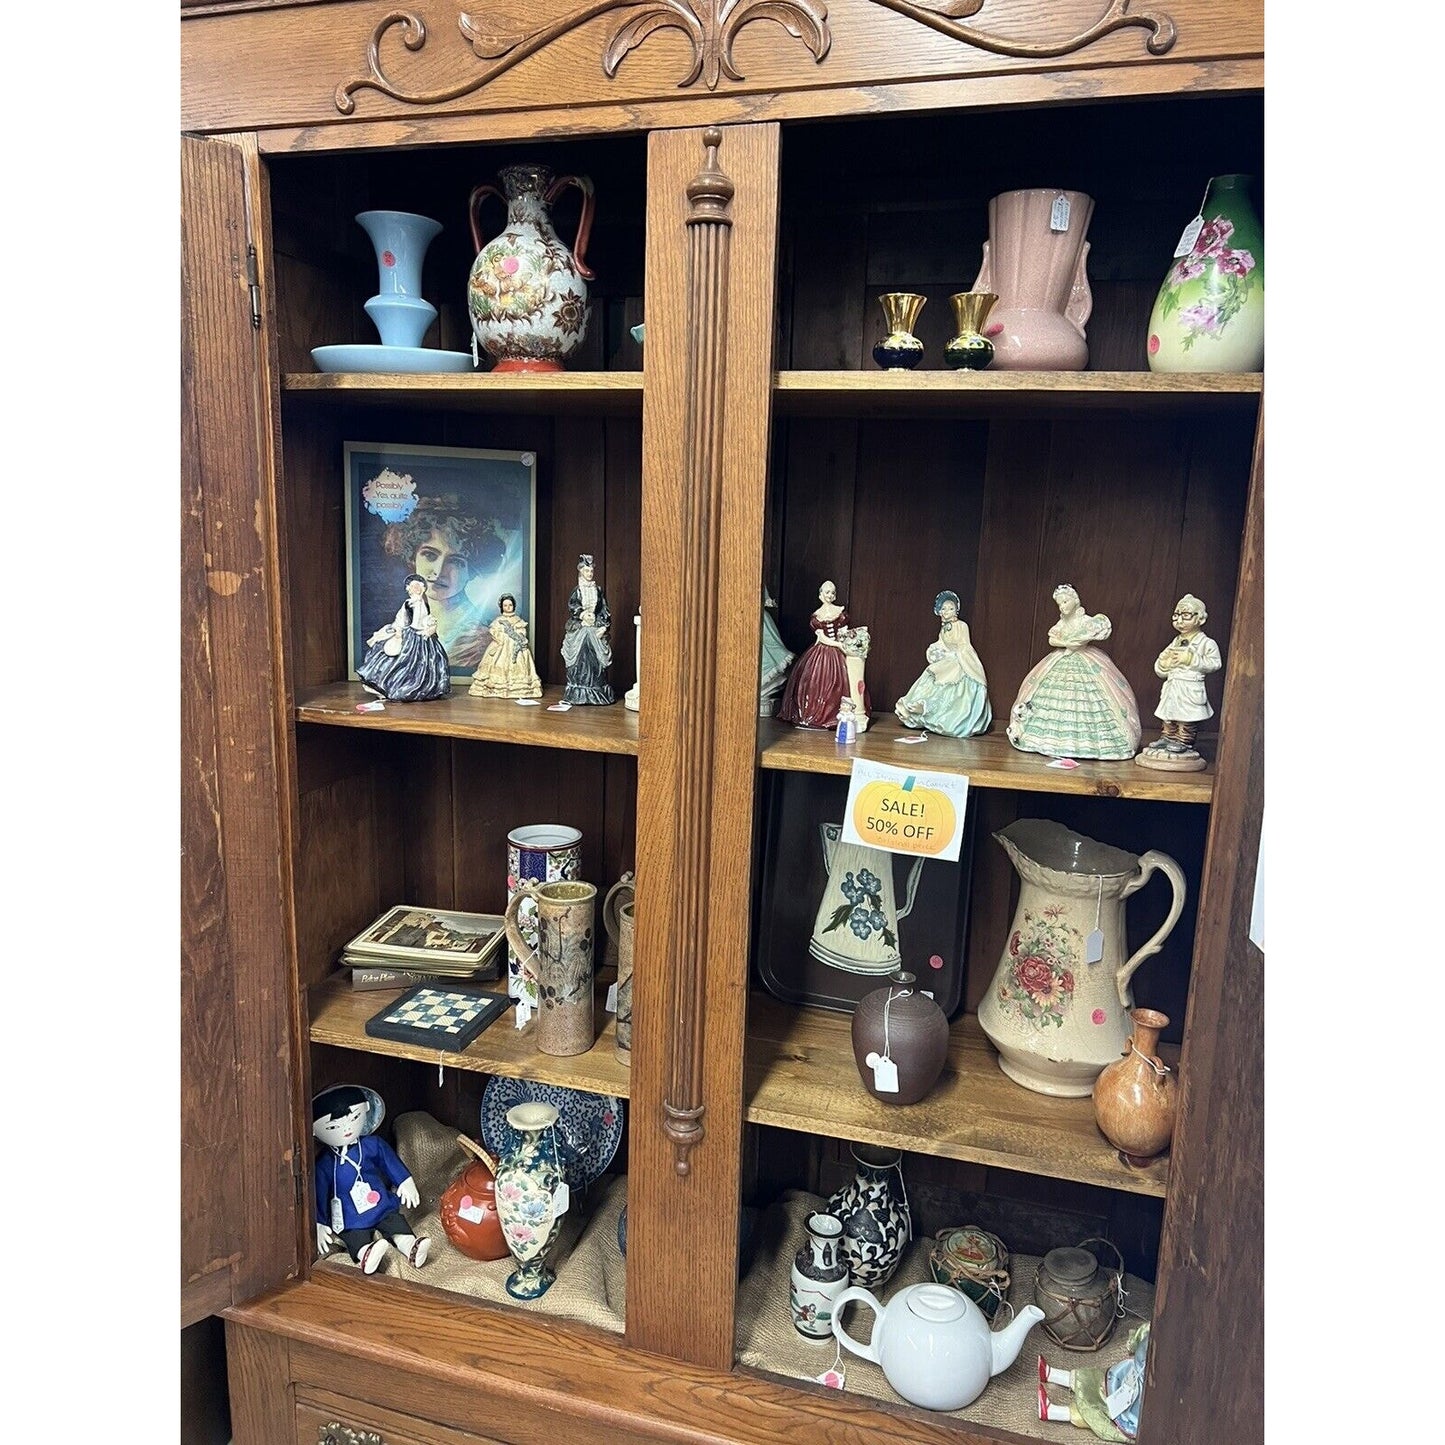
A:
(480, 719)
(339, 1014)
(800, 1075)
(990, 761)
(1011, 393)
(616, 393)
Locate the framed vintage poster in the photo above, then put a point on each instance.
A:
(462, 519)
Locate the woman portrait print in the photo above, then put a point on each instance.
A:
(466, 529)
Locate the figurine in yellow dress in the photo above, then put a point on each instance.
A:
(507, 668)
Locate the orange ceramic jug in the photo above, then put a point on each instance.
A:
(468, 1208)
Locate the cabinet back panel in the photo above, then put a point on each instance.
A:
(1133, 513)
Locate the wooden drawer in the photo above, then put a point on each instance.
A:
(326, 1419)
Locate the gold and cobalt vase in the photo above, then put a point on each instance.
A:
(970, 349)
(900, 350)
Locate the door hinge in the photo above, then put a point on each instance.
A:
(254, 280)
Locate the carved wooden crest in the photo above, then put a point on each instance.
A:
(711, 26)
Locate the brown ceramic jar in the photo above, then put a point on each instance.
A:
(468, 1210)
(1136, 1097)
(916, 1038)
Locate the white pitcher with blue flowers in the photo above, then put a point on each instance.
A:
(857, 924)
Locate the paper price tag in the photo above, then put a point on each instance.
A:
(1094, 946)
(1059, 216)
(903, 810)
(561, 1200)
(885, 1073)
(524, 1014)
(611, 1004)
(1189, 236)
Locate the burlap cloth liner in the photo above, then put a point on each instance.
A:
(591, 1286)
(591, 1273)
(766, 1339)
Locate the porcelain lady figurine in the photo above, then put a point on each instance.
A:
(1183, 702)
(775, 661)
(951, 694)
(822, 675)
(1105, 1401)
(405, 660)
(506, 668)
(585, 648)
(1075, 703)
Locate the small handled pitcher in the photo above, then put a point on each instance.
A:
(562, 963)
(617, 920)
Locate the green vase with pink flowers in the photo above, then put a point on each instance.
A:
(1209, 314)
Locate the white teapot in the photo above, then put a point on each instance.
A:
(934, 1344)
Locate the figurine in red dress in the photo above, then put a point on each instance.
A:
(823, 676)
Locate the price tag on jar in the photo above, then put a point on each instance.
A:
(904, 810)
(1059, 215)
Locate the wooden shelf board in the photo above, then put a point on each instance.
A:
(1010, 393)
(607, 392)
(339, 1014)
(990, 761)
(800, 1075)
(480, 719)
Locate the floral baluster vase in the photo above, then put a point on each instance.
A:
(1209, 314)
(900, 350)
(528, 1179)
(970, 349)
(819, 1275)
(873, 1206)
(527, 292)
(400, 239)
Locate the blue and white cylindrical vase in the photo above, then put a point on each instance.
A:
(545, 853)
(400, 240)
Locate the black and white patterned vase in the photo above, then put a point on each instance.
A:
(874, 1209)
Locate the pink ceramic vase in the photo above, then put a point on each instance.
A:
(1035, 259)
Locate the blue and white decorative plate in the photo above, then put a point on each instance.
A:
(589, 1126)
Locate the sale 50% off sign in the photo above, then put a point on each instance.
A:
(903, 810)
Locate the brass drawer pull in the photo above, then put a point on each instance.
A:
(335, 1433)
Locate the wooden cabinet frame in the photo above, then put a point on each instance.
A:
(264, 79)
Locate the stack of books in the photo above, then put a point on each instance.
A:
(409, 945)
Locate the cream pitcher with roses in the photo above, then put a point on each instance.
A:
(1057, 1010)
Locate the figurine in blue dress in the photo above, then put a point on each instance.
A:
(405, 660)
(361, 1184)
(951, 694)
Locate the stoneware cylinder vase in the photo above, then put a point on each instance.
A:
(874, 1210)
(542, 853)
(904, 1025)
(1136, 1097)
(1209, 314)
(527, 292)
(400, 239)
(468, 1210)
(621, 892)
(1036, 261)
(620, 917)
(528, 1179)
(561, 966)
(1056, 1017)
(1081, 1299)
(970, 349)
(900, 350)
(819, 1275)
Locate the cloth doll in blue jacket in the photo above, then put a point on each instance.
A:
(360, 1183)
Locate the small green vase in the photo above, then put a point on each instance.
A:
(1209, 314)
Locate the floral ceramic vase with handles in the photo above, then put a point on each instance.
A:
(1209, 314)
(529, 1179)
(1057, 1009)
(1036, 261)
(873, 1206)
(527, 292)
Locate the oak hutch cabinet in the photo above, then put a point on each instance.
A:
(764, 169)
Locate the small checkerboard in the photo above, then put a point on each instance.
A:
(437, 1018)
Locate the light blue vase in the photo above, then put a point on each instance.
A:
(398, 310)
